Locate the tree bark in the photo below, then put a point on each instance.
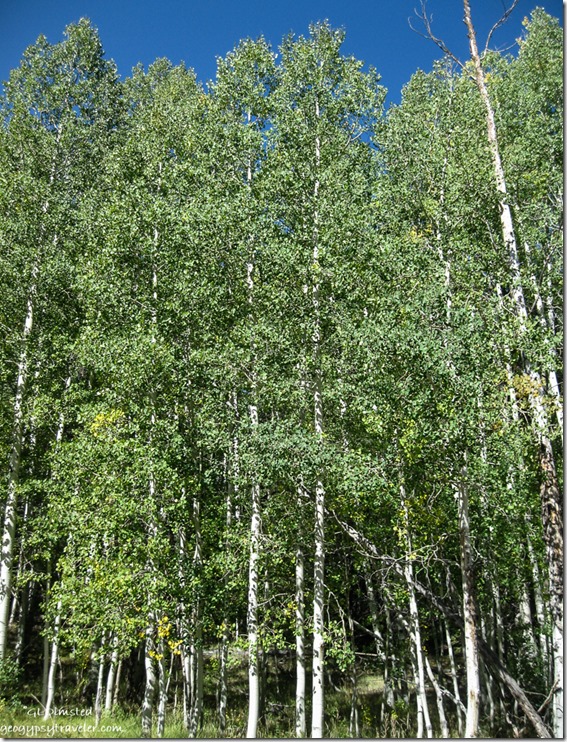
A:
(50, 686)
(469, 612)
(439, 697)
(111, 677)
(149, 691)
(252, 618)
(225, 639)
(423, 718)
(317, 711)
(300, 719)
(162, 690)
(255, 529)
(10, 515)
(196, 716)
(551, 501)
(99, 685)
(9, 526)
(454, 679)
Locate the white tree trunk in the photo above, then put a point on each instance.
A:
(10, 515)
(162, 691)
(317, 710)
(540, 607)
(50, 678)
(50, 686)
(500, 671)
(45, 672)
(300, 720)
(117, 683)
(551, 499)
(252, 617)
(223, 676)
(373, 605)
(225, 639)
(99, 685)
(439, 697)
(184, 629)
(111, 677)
(255, 529)
(469, 612)
(149, 690)
(454, 679)
(548, 323)
(423, 718)
(197, 644)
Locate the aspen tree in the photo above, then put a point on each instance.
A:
(550, 496)
(57, 118)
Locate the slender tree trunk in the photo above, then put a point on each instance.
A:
(454, 679)
(9, 529)
(381, 643)
(25, 594)
(99, 685)
(225, 639)
(469, 612)
(423, 718)
(354, 725)
(186, 680)
(317, 710)
(540, 606)
(488, 637)
(252, 618)
(184, 629)
(162, 691)
(552, 517)
(111, 676)
(255, 530)
(389, 698)
(496, 665)
(50, 686)
(197, 649)
(10, 516)
(548, 323)
(149, 690)
(439, 696)
(223, 675)
(551, 499)
(45, 671)
(117, 684)
(300, 719)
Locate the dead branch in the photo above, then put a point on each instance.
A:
(499, 23)
(426, 21)
(493, 663)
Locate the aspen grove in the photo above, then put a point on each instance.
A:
(281, 391)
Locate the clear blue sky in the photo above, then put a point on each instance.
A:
(197, 31)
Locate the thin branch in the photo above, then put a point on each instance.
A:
(499, 23)
(423, 17)
(549, 697)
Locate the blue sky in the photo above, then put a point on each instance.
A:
(197, 32)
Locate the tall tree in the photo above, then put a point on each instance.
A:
(60, 107)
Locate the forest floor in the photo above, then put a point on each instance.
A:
(22, 717)
(19, 721)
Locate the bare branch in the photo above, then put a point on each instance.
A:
(499, 23)
(426, 21)
(549, 697)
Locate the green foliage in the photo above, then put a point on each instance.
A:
(194, 253)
